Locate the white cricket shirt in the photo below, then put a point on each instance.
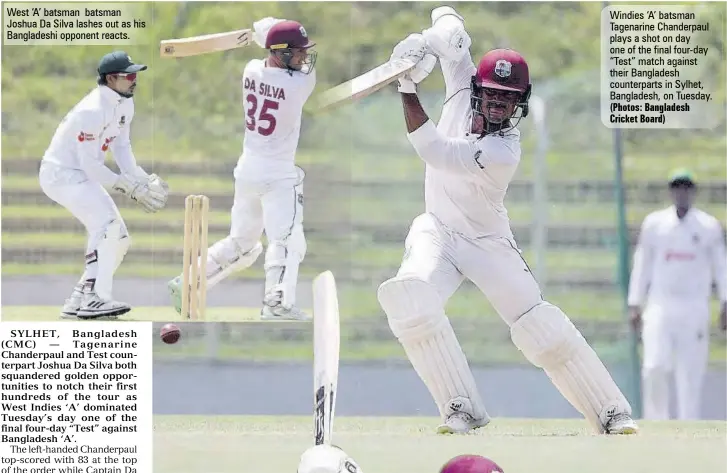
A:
(678, 259)
(98, 123)
(273, 101)
(466, 177)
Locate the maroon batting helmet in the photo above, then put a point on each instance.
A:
(288, 34)
(502, 85)
(289, 41)
(470, 464)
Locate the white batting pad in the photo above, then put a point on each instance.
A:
(282, 261)
(549, 340)
(108, 253)
(416, 317)
(226, 257)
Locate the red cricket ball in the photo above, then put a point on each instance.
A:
(170, 333)
(470, 464)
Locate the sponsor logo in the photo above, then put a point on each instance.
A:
(107, 143)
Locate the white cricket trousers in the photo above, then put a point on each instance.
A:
(88, 201)
(271, 205)
(675, 335)
(495, 265)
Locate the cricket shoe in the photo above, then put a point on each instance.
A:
(175, 293)
(618, 423)
(281, 313)
(93, 307)
(273, 309)
(71, 306)
(459, 418)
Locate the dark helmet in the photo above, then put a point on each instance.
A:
(287, 35)
(502, 70)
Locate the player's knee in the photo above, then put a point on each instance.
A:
(412, 306)
(293, 244)
(231, 249)
(545, 336)
(241, 245)
(113, 228)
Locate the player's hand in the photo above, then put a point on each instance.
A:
(149, 195)
(635, 319)
(412, 48)
(447, 39)
(261, 29)
(723, 317)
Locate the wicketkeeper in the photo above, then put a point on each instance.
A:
(73, 174)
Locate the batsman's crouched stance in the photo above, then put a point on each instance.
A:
(471, 157)
(73, 174)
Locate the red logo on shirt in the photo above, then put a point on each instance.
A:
(680, 256)
(107, 142)
(85, 137)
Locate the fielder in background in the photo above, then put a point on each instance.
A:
(73, 174)
(680, 253)
(268, 184)
(471, 157)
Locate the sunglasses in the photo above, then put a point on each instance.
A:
(130, 76)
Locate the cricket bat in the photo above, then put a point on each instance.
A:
(205, 44)
(365, 84)
(326, 353)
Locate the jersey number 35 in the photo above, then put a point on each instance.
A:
(264, 121)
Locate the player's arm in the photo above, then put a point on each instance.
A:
(448, 40)
(88, 146)
(476, 159)
(123, 154)
(131, 172)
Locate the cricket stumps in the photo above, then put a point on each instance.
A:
(194, 269)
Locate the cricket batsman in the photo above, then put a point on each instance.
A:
(268, 184)
(471, 156)
(680, 253)
(73, 174)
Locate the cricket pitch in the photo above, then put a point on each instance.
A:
(196, 444)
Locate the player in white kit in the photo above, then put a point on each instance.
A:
(680, 253)
(268, 184)
(73, 174)
(471, 156)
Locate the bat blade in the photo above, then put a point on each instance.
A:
(365, 84)
(326, 353)
(210, 43)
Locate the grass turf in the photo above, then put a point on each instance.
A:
(138, 314)
(192, 444)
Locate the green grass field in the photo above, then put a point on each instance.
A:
(138, 314)
(408, 445)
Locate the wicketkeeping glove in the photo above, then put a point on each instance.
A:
(151, 195)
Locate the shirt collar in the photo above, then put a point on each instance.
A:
(110, 96)
(675, 218)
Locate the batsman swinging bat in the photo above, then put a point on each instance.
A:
(365, 84)
(210, 43)
(326, 353)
